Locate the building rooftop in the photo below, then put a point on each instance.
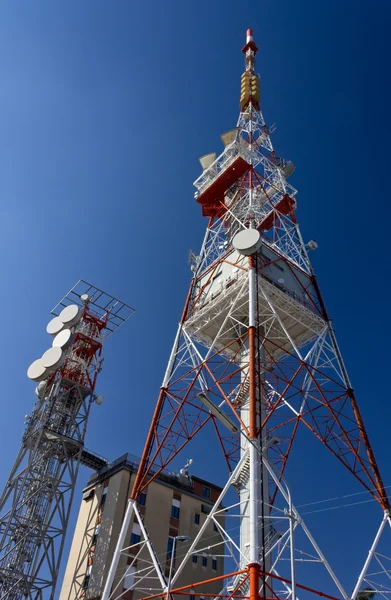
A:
(188, 483)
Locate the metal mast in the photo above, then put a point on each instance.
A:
(254, 361)
(36, 501)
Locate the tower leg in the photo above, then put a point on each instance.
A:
(370, 555)
(254, 581)
(254, 441)
(117, 551)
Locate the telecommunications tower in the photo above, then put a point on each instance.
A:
(36, 501)
(255, 362)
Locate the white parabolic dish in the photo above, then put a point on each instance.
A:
(62, 339)
(247, 242)
(40, 388)
(54, 326)
(70, 315)
(53, 359)
(36, 370)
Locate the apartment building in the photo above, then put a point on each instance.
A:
(172, 505)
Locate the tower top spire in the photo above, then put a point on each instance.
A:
(250, 82)
(250, 47)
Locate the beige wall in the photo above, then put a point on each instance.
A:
(78, 556)
(159, 524)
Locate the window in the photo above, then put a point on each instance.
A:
(95, 536)
(214, 563)
(129, 578)
(134, 539)
(197, 518)
(205, 509)
(170, 544)
(142, 499)
(175, 509)
(136, 534)
(87, 578)
(104, 496)
(194, 558)
(192, 597)
(175, 512)
(215, 528)
(204, 560)
(206, 492)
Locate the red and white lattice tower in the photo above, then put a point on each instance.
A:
(36, 501)
(254, 361)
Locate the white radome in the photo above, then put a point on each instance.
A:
(54, 326)
(53, 359)
(36, 370)
(62, 339)
(70, 315)
(247, 241)
(39, 390)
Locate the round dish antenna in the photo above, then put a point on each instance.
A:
(247, 242)
(84, 298)
(40, 389)
(54, 326)
(70, 315)
(312, 245)
(99, 400)
(53, 359)
(36, 370)
(63, 339)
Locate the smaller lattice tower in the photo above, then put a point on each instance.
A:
(36, 501)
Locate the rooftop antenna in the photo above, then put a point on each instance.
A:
(185, 471)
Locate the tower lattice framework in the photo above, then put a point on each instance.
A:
(36, 501)
(254, 361)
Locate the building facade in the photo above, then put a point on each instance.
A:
(172, 505)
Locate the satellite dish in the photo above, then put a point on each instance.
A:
(63, 339)
(286, 166)
(54, 326)
(281, 280)
(247, 241)
(70, 315)
(53, 359)
(99, 400)
(207, 160)
(40, 389)
(312, 245)
(37, 370)
(84, 298)
(190, 461)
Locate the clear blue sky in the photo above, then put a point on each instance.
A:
(104, 110)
